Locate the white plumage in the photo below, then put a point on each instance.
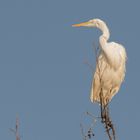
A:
(110, 66)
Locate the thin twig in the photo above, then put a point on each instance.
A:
(93, 116)
(89, 65)
(16, 130)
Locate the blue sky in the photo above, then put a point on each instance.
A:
(43, 77)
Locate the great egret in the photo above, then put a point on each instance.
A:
(110, 67)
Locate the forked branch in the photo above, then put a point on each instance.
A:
(16, 130)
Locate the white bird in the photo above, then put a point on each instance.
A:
(110, 66)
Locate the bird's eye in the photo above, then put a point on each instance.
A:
(97, 24)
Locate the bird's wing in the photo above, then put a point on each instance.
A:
(96, 83)
(95, 88)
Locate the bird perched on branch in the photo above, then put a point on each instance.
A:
(110, 66)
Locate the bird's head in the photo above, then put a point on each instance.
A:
(91, 23)
(97, 23)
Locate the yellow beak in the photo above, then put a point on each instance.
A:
(81, 24)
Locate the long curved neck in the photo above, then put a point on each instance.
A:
(105, 36)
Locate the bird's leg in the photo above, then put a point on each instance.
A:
(109, 125)
(107, 122)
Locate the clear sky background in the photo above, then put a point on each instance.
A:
(43, 77)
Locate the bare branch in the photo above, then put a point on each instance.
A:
(16, 130)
